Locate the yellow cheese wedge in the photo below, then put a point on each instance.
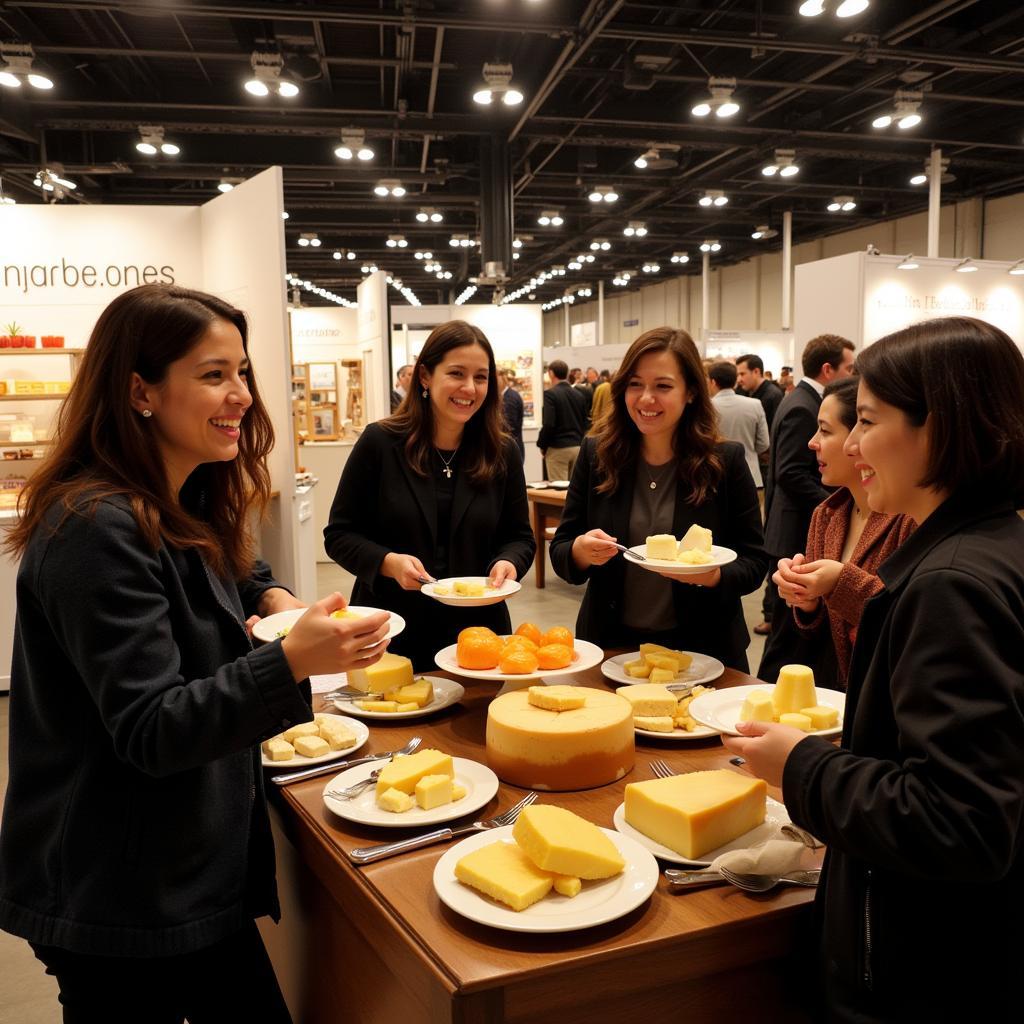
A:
(385, 706)
(567, 885)
(681, 658)
(404, 772)
(654, 723)
(278, 749)
(433, 791)
(466, 589)
(696, 538)
(797, 721)
(392, 672)
(757, 707)
(794, 689)
(638, 670)
(649, 699)
(420, 692)
(394, 800)
(503, 872)
(305, 729)
(558, 840)
(311, 746)
(558, 698)
(662, 545)
(662, 675)
(694, 813)
(665, 661)
(821, 717)
(337, 736)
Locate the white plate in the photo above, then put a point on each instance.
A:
(480, 783)
(700, 732)
(702, 669)
(446, 693)
(298, 761)
(599, 901)
(588, 655)
(776, 815)
(719, 556)
(502, 593)
(721, 709)
(268, 628)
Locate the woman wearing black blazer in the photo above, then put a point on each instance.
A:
(656, 465)
(434, 491)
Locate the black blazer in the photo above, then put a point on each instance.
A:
(565, 417)
(710, 619)
(922, 804)
(793, 488)
(382, 505)
(512, 410)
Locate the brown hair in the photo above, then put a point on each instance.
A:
(844, 391)
(618, 441)
(101, 446)
(825, 348)
(971, 407)
(483, 439)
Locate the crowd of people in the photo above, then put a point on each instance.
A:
(875, 495)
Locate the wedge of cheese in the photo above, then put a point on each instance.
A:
(649, 699)
(794, 689)
(821, 717)
(662, 545)
(558, 698)
(278, 749)
(433, 791)
(391, 673)
(403, 773)
(696, 538)
(654, 723)
(694, 813)
(557, 840)
(420, 693)
(503, 872)
(567, 885)
(394, 800)
(681, 658)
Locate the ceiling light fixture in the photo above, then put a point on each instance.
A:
(635, 229)
(1015, 271)
(461, 242)
(51, 179)
(268, 76)
(783, 164)
(762, 232)
(846, 9)
(650, 157)
(967, 266)
(498, 83)
(430, 213)
(604, 193)
(344, 254)
(650, 268)
(389, 187)
(713, 197)
(353, 145)
(601, 244)
(151, 141)
(842, 204)
(550, 217)
(423, 255)
(396, 241)
(227, 184)
(368, 268)
(680, 257)
(17, 65)
(710, 245)
(905, 113)
(720, 100)
(908, 263)
(308, 238)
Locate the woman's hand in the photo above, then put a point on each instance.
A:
(765, 746)
(595, 547)
(818, 578)
(320, 645)
(406, 570)
(272, 601)
(501, 571)
(791, 585)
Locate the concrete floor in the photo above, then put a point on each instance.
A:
(28, 996)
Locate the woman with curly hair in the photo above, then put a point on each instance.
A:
(656, 464)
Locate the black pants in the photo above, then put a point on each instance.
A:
(789, 645)
(232, 980)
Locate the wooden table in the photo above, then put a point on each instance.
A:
(546, 506)
(374, 945)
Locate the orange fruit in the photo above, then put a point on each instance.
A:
(554, 656)
(516, 660)
(521, 641)
(479, 652)
(473, 631)
(528, 629)
(557, 635)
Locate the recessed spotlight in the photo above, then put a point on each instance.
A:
(908, 263)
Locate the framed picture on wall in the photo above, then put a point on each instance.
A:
(325, 423)
(323, 376)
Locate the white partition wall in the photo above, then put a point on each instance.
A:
(374, 344)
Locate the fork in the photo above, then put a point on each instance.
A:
(347, 693)
(764, 883)
(368, 854)
(354, 790)
(630, 554)
(662, 770)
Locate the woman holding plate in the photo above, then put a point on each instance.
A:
(435, 491)
(922, 805)
(656, 465)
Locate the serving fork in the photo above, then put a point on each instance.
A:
(354, 790)
(336, 766)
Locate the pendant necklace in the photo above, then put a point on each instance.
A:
(650, 477)
(447, 462)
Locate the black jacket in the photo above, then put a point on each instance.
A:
(383, 506)
(565, 417)
(770, 395)
(710, 619)
(135, 822)
(512, 411)
(922, 807)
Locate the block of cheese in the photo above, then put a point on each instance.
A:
(560, 750)
(394, 800)
(757, 707)
(421, 693)
(662, 545)
(654, 723)
(304, 729)
(662, 675)
(649, 699)
(821, 717)
(337, 735)
(657, 660)
(278, 749)
(794, 689)
(558, 698)
(696, 538)
(796, 720)
(383, 706)
(697, 812)
(311, 746)
(466, 589)
(433, 791)
(638, 669)
(503, 872)
(567, 885)
(557, 840)
(392, 672)
(407, 706)
(681, 658)
(404, 772)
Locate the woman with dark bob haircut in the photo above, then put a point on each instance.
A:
(655, 464)
(436, 490)
(922, 804)
(136, 851)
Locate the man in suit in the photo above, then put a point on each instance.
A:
(564, 423)
(401, 388)
(793, 488)
(512, 410)
(739, 419)
(753, 384)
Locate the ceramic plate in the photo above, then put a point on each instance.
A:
(700, 732)
(702, 669)
(599, 901)
(719, 556)
(776, 816)
(480, 783)
(492, 596)
(721, 709)
(276, 625)
(299, 762)
(446, 693)
(587, 656)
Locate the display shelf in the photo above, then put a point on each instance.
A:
(41, 351)
(58, 397)
(24, 444)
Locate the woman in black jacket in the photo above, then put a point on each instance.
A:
(656, 465)
(922, 805)
(136, 850)
(435, 491)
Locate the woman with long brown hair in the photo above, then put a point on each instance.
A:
(657, 465)
(135, 850)
(435, 490)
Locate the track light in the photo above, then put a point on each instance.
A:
(713, 197)
(51, 180)
(680, 257)
(908, 263)
(905, 113)
(396, 241)
(550, 217)
(151, 141)
(602, 244)
(353, 145)
(309, 238)
(710, 245)
(651, 156)
(762, 232)
(498, 84)
(720, 100)
(267, 76)
(842, 204)
(423, 255)
(967, 266)
(650, 268)
(368, 268)
(783, 164)
(389, 187)
(344, 254)
(846, 9)
(429, 213)
(635, 229)
(17, 65)
(604, 193)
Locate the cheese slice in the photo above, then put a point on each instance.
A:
(311, 746)
(558, 840)
(797, 721)
(654, 723)
(821, 717)
(794, 689)
(421, 693)
(558, 698)
(649, 699)
(303, 729)
(697, 812)
(503, 872)
(433, 791)
(662, 545)
(696, 538)
(337, 735)
(404, 772)
(392, 672)
(567, 885)
(466, 589)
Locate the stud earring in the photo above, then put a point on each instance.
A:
(147, 413)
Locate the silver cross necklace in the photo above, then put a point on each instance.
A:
(447, 462)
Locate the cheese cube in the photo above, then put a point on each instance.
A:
(434, 790)
(420, 692)
(392, 672)
(681, 658)
(337, 735)
(662, 675)
(503, 872)
(696, 538)
(305, 729)
(697, 812)
(558, 840)
(638, 669)
(394, 800)
(654, 723)
(466, 589)
(649, 699)
(383, 706)
(404, 772)
(458, 792)
(311, 746)
(558, 698)
(757, 707)
(821, 717)
(662, 545)
(278, 749)
(567, 885)
(797, 721)
(794, 689)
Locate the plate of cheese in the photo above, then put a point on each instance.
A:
(423, 696)
(693, 554)
(470, 591)
(654, 660)
(278, 625)
(326, 738)
(660, 713)
(550, 872)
